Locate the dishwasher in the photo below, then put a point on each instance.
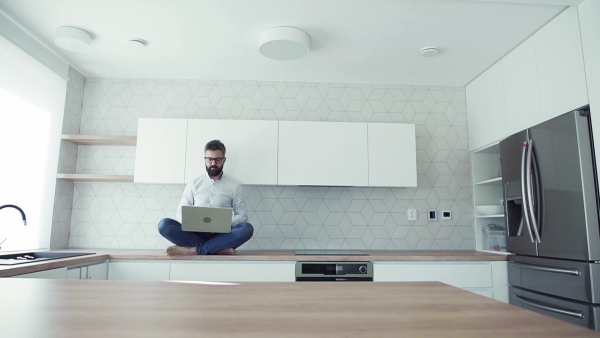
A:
(334, 271)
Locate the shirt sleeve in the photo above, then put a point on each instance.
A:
(239, 207)
(186, 199)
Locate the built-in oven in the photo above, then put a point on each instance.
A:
(334, 271)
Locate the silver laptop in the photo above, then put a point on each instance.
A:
(206, 219)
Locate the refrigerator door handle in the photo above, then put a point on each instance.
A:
(572, 272)
(531, 196)
(524, 189)
(576, 314)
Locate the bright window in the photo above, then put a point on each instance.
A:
(32, 102)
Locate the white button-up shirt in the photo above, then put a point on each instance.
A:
(225, 193)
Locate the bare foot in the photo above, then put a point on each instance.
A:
(228, 251)
(176, 250)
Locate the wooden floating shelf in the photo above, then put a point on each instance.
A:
(95, 178)
(101, 140)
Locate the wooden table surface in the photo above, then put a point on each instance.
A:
(87, 308)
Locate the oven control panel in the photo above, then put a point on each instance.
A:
(334, 271)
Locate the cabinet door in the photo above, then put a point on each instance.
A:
(75, 273)
(392, 155)
(486, 112)
(521, 88)
(97, 271)
(323, 153)
(561, 74)
(251, 149)
(234, 271)
(160, 151)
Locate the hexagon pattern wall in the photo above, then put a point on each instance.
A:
(124, 215)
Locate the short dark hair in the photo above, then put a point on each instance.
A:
(215, 145)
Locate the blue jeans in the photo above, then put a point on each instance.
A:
(205, 242)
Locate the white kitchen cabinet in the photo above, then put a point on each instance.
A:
(160, 151)
(323, 153)
(521, 88)
(251, 149)
(392, 155)
(561, 72)
(93, 272)
(589, 12)
(486, 109)
(139, 270)
(233, 271)
(478, 277)
(60, 273)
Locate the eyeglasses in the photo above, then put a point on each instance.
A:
(217, 160)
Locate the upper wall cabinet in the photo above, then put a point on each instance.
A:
(323, 153)
(486, 111)
(540, 79)
(280, 153)
(561, 73)
(521, 88)
(251, 149)
(160, 151)
(392, 155)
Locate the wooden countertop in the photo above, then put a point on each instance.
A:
(248, 255)
(74, 308)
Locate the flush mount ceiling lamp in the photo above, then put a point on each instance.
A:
(73, 39)
(429, 51)
(284, 43)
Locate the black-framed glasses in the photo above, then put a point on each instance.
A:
(217, 160)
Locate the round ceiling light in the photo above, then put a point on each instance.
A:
(284, 43)
(429, 51)
(73, 39)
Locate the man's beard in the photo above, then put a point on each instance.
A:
(213, 170)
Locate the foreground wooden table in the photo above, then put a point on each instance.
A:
(84, 308)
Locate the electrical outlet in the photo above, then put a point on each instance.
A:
(411, 214)
(446, 215)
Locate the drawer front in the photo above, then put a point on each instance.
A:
(138, 270)
(556, 277)
(462, 275)
(560, 308)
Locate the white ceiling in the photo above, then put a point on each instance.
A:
(352, 41)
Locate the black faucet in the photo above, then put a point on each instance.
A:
(16, 207)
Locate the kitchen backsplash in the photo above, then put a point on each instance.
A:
(125, 215)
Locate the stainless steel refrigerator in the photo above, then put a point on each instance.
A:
(551, 208)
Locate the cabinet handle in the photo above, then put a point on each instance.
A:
(573, 272)
(576, 314)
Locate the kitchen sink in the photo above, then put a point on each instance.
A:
(37, 256)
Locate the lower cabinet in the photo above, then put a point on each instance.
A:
(234, 271)
(208, 271)
(60, 273)
(139, 270)
(94, 271)
(485, 278)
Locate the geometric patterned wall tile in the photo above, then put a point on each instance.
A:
(124, 215)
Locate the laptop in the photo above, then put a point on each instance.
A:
(206, 219)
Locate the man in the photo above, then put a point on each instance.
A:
(215, 190)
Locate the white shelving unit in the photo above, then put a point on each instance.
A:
(487, 190)
(98, 140)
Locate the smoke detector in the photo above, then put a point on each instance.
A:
(429, 51)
